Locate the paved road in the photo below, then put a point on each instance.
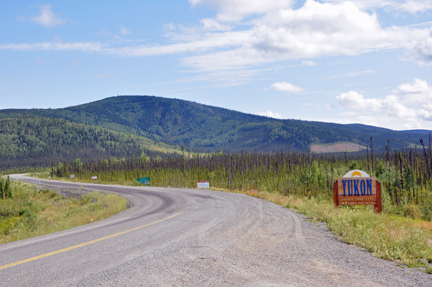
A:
(189, 237)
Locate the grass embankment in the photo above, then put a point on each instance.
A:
(400, 239)
(31, 213)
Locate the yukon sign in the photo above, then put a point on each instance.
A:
(357, 188)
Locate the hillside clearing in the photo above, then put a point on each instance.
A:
(336, 147)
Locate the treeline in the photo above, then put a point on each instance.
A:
(405, 174)
(38, 142)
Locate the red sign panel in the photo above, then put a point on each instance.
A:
(357, 191)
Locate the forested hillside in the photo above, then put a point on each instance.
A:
(208, 128)
(37, 141)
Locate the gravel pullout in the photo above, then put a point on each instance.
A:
(259, 244)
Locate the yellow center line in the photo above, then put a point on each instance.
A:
(84, 244)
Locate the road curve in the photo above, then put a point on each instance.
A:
(190, 237)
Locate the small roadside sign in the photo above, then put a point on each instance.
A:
(144, 180)
(38, 184)
(357, 188)
(72, 176)
(94, 177)
(203, 184)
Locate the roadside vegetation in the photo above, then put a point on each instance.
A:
(303, 181)
(26, 212)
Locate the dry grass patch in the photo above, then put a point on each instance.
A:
(424, 224)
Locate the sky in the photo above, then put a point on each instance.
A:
(359, 61)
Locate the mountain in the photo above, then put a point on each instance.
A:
(422, 132)
(208, 128)
(37, 141)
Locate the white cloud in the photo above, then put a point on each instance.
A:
(367, 120)
(357, 101)
(124, 31)
(214, 25)
(285, 87)
(270, 115)
(417, 91)
(275, 33)
(413, 7)
(410, 6)
(319, 29)
(314, 30)
(47, 18)
(411, 125)
(234, 10)
(415, 106)
(308, 63)
(421, 51)
(351, 74)
(224, 78)
(345, 114)
(55, 46)
(396, 109)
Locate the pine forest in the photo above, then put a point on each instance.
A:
(406, 175)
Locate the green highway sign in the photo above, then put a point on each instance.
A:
(144, 180)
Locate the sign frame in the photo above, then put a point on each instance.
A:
(202, 184)
(357, 199)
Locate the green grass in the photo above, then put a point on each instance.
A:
(30, 213)
(388, 237)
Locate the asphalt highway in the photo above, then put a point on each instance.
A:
(191, 237)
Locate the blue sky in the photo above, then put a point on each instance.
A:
(359, 61)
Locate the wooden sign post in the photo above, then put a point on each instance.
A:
(357, 188)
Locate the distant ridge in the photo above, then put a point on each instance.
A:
(422, 132)
(207, 128)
